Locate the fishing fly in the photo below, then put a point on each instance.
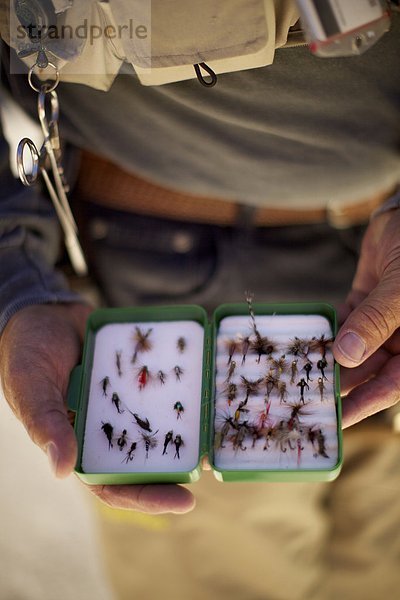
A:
(178, 442)
(321, 366)
(181, 344)
(178, 408)
(270, 383)
(105, 382)
(317, 440)
(108, 432)
(251, 387)
(142, 342)
(321, 388)
(167, 440)
(321, 344)
(178, 372)
(231, 370)
(293, 371)
(230, 392)
(245, 348)
(131, 453)
(302, 384)
(279, 365)
(118, 355)
(282, 391)
(149, 441)
(121, 442)
(143, 377)
(232, 346)
(117, 403)
(260, 345)
(143, 423)
(308, 368)
(161, 377)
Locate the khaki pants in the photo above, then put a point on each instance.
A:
(272, 541)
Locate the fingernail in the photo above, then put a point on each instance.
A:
(53, 456)
(352, 346)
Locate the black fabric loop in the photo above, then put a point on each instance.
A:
(200, 77)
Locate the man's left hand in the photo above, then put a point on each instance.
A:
(368, 343)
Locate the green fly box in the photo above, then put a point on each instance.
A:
(256, 391)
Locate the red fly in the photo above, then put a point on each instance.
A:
(143, 377)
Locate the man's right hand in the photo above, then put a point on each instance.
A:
(38, 348)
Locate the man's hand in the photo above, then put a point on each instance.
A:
(39, 347)
(368, 343)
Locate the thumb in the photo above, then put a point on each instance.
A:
(39, 347)
(39, 404)
(371, 323)
(49, 427)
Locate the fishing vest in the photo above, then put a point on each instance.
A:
(165, 40)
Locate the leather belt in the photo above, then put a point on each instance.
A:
(104, 183)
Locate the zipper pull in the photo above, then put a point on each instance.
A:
(200, 77)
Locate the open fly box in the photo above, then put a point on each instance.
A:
(256, 390)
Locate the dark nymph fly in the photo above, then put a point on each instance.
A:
(143, 423)
(122, 441)
(117, 403)
(178, 372)
(118, 355)
(167, 440)
(108, 432)
(131, 453)
(178, 442)
(105, 382)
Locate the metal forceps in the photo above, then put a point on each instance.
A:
(47, 162)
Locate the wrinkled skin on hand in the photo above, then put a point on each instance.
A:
(38, 348)
(368, 343)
